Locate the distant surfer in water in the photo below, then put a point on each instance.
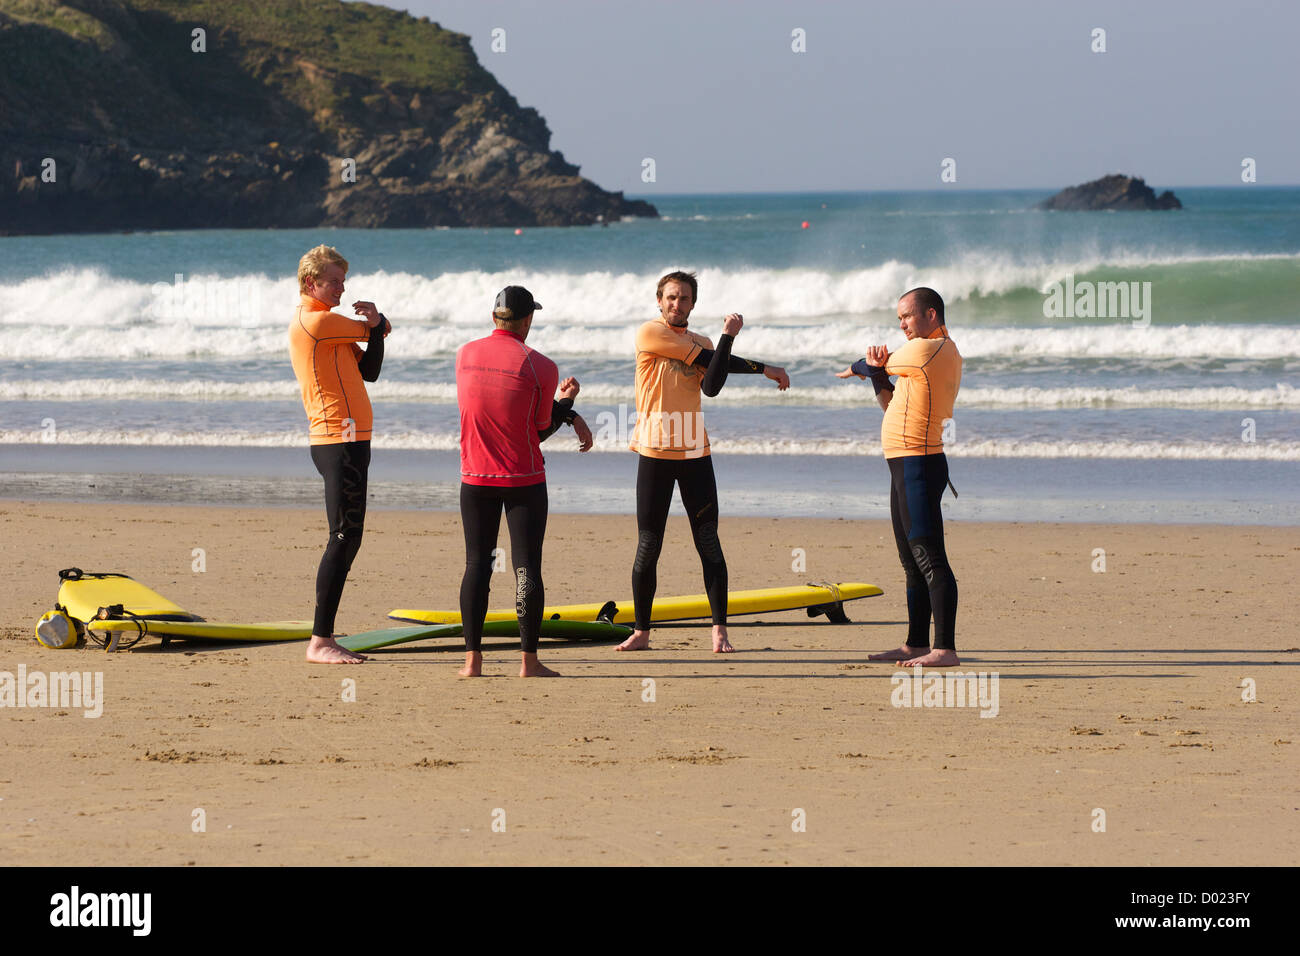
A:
(673, 365)
(332, 370)
(506, 392)
(929, 373)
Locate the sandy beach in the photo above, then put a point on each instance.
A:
(1119, 691)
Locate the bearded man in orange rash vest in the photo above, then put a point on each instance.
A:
(674, 365)
(332, 370)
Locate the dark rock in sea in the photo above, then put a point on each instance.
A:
(295, 113)
(1111, 192)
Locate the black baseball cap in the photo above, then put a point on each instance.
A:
(514, 302)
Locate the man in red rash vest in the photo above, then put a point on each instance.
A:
(506, 393)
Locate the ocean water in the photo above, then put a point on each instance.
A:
(1118, 366)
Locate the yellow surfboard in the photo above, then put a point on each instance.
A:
(136, 610)
(83, 593)
(818, 598)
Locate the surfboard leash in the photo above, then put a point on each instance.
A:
(113, 642)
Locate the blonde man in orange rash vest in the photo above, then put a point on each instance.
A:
(929, 373)
(332, 370)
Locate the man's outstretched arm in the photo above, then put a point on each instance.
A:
(718, 363)
(370, 363)
(562, 413)
(873, 367)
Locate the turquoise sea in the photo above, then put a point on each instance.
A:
(1119, 366)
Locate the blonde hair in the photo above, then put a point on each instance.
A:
(510, 325)
(313, 264)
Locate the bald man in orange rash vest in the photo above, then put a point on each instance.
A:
(929, 373)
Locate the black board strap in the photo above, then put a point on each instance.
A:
(607, 612)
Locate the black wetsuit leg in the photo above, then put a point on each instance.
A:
(654, 493)
(345, 467)
(480, 517)
(917, 485)
(526, 512)
(699, 490)
(918, 593)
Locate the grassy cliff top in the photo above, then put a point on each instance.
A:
(362, 38)
(127, 67)
(387, 45)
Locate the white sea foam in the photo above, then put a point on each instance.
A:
(449, 441)
(703, 218)
(837, 341)
(80, 298)
(848, 394)
(1004, 448)
(1280, 396)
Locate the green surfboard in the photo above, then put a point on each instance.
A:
(553, 630)
(370, 640)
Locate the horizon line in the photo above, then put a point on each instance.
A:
(939, 189)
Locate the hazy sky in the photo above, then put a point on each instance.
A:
(1012, 91)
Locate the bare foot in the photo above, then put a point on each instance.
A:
(935, 658)
(473, 664)
(904, 653)
(639, 641)
(326, 650)
(530, 666)
(720, 643)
